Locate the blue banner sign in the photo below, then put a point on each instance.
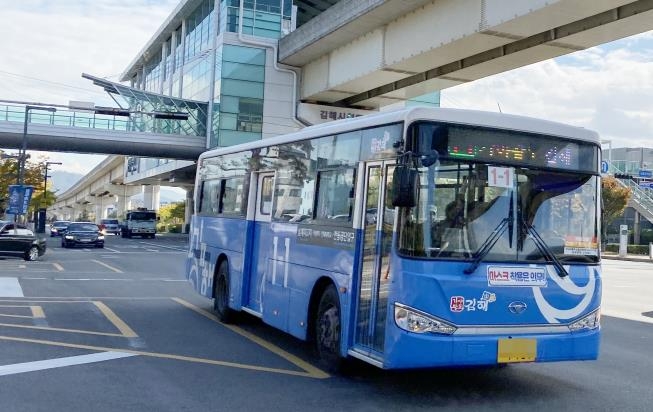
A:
(19, 198)
(604, 166)
(646, 185)
(645, 173)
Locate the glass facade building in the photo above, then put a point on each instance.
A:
(202, 58)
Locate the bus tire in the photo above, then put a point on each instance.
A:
(221, 294)
(328, 331)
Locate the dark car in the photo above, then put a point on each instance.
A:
(82, 234)
(19, 241)
(58, 227)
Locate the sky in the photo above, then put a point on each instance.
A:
(46, 44)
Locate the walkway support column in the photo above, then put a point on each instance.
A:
(190, 193)
(152, 197)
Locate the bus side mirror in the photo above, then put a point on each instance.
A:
(405, 184)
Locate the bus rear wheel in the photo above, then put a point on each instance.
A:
(327, 331)
(221, 294)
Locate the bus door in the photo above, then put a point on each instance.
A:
(377, 223)
(261, 241)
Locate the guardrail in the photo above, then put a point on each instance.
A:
(92, 120)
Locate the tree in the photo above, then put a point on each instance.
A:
(615, 198)
(33, 176)
(172, 213)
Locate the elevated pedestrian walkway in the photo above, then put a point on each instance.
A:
(144, 124)
(641, 199)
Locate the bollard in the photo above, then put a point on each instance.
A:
(650, 250)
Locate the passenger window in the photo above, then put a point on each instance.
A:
(231, 198)
(335, 195)
(209, 197)
(265, 207)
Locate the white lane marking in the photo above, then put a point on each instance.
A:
(61, 362)
(113, 250)
(58, 267)
(163, 246)
(107, 266)
(10, 288)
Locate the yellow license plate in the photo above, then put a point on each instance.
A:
(516, 350)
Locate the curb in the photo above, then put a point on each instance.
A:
(629, 259)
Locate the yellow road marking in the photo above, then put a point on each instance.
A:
(85, 332)
(107, 266)
(58, 267)
(37, 311)
(117, 322)
(310, 369)
(162, 356)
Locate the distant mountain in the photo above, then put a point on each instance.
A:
(62, 181)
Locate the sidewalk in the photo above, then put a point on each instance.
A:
(629, 257)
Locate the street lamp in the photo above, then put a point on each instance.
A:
(22, 153)
(42, 211)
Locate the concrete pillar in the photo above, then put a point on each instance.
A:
(189, 210)
(637, 228)
(98, 210)
(152, 197)
(123, 204)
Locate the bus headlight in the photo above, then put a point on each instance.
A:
(412, 320)
(591, 321)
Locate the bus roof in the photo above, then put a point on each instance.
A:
(456, 116)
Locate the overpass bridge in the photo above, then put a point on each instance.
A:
(377, 52)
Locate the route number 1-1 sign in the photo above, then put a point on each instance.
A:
(500, 176)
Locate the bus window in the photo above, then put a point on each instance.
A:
(335, 196)
(265, 207)
(209, 197)
(231, 199)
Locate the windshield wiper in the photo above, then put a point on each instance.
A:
(544, 249)
(506, 222)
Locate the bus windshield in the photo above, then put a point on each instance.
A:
(461, 204)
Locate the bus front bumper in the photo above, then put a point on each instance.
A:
(411, 350)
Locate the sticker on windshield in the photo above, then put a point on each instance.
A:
(460, 303)
(516, 276)
(500, 176)
(581, 246)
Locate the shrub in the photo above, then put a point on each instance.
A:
(632, 249)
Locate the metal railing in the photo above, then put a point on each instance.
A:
(92, 120)
(642, 198)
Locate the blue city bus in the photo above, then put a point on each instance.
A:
(408, 239)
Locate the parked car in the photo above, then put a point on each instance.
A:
(110, 226)
(57, 227)
(19, 241)
(84, 234)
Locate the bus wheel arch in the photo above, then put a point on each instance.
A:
(221, 282)
(325, 324)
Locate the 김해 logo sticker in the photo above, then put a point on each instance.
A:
(516, 276)
(460, 303)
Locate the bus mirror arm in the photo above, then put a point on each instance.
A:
(405, 184)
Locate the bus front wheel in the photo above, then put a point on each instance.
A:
(327, 330)
(221, 294)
